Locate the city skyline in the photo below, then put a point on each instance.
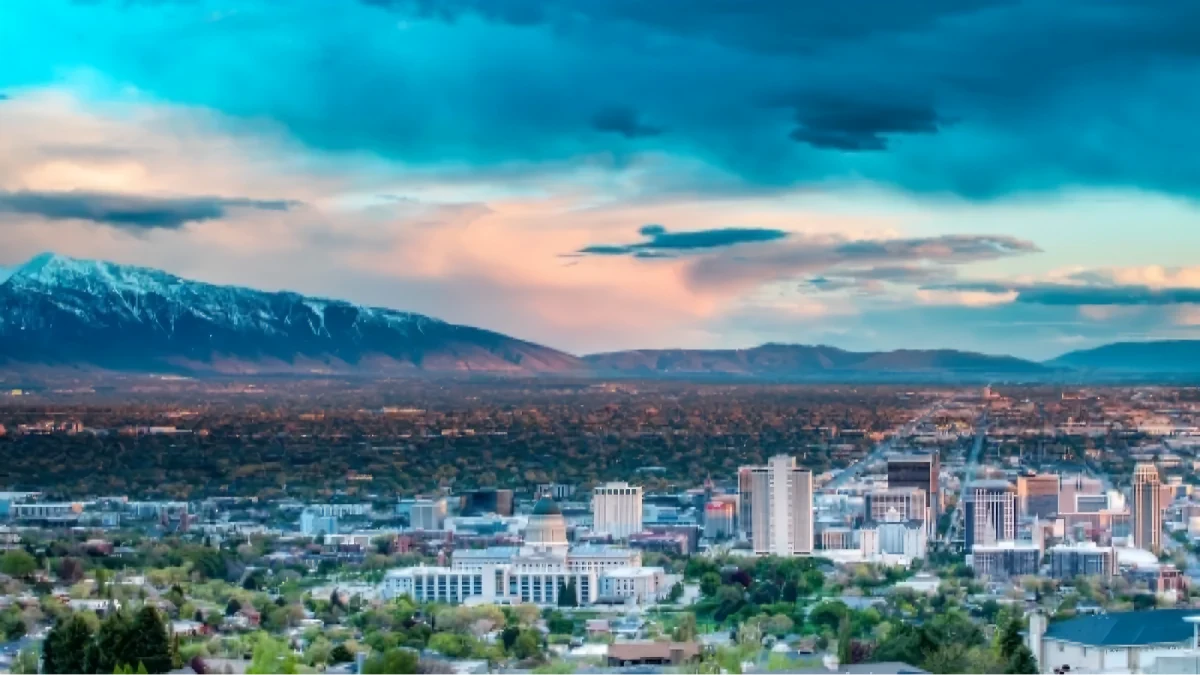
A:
(602, 176)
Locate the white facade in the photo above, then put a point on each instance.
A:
(617, 510)
(777, 503)
(313, 523)
(644, 584)
(428, 514)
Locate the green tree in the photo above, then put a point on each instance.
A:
(26, 662)
(341, 654)
(396, 660)
(149, 640)
(528, 645)
(843, 638)
(685, 629)
(950, 658)
(567, 595)
(1022, 661)
(450, 645)
(271, 656)
(113, 646)
(18, 563)
(710, 583)
(65, 645)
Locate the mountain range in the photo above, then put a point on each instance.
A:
(60, 312)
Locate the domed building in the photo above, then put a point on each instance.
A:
(547, 528)
(538, 572)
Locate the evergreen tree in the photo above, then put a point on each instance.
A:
(112, 648)
(1022, 661)
(150, 641)
(567, 595)
(66, 644)
(843, 638)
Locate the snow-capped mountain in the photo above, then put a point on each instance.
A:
(56, 310)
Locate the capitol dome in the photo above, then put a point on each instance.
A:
(547, 528)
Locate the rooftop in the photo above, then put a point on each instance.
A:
(1126, 629)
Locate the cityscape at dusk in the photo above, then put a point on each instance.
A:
(599, 336)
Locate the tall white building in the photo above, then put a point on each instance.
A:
(313, 523)
(777, 507)
(428, 514)
(617, 510)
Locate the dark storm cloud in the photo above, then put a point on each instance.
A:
(662, 243)
(624, 121)
(132, 212)
(976, 98)
(858, 126)
(1069, 295)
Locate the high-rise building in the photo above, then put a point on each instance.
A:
(1037, 495)
(428, 514)
(313, 524)
(1006, 559)
(720, 518)
(919, 471)
(484, 501)
(617, 510)
(1147, 507)
(990, 513)
(1082, 560)
(777, 507)
(908, 503)
(1072, 486)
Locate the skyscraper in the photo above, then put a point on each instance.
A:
(777, 507)
(990, 512)
(918, 471)
(1037, 495)
(1147, 507)
(617, 510)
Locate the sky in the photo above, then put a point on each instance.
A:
(1003, 176)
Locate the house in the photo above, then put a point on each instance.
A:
(623, 654)
(598, 628)
(1118, 642)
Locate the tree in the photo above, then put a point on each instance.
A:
(18, 563)
(149, 640)
(395, 660)
(685, 630)
(950, 658)
(844, 637)
(26, 662)
(271, 656)
(1022, 661)
(567, 596)
(676, 593)
(528, 645)
(508, 637)
(233, 607)
(113, 646)
(710, 583)
(449, 645)
(70, 570)
(780, 625)
(340, 654)
(65, 645)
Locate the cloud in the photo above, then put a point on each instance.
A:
(661, 243)
(624, 121)
(128, 211)
(861, 126)
(975, 98)
(1069, 295)
(874, 279)
(822, 254)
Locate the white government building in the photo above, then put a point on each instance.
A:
(535, 573)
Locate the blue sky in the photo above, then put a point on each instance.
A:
(997, 175)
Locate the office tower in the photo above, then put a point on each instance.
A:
(1072, 487)
(1147, 507)
(484, 501)
(313, 524)
(1081, 560)
(1006, 559)
(428, 514)
(908, 503)
(617, 510)
(777, 507)
(1091, 503)
(919, 471)
(719, 519)
(990, 513)
(1037, 495)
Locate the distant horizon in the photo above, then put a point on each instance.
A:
(615, 175)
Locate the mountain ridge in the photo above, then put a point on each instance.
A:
(57, 311)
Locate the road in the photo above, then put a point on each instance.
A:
(968, 476)
(881, 450)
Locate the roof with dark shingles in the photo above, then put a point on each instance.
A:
(1160, 626)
